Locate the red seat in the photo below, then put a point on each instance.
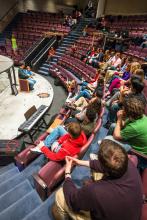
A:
(52, 173)
(144, 212)
(144, 182)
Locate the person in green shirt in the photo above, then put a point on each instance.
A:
(131, 127)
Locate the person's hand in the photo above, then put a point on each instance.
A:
(114, 102)
(75, 161)
(124, 90)
(122, 83)
(120, 114)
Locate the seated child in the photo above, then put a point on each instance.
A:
(68, 142)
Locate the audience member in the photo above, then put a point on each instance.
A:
(102, 199)
(69, 142)
(14, 44)
(131, 125)
(23, 74)
(51, 53)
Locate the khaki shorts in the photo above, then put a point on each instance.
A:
(64, 211)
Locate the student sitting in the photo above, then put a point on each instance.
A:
(23, 74)
(135, 88)
(87, 120)
(117, 196)
(51, 53)
(69, 142)
(131, 127)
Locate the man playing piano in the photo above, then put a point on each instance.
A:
(69, 142)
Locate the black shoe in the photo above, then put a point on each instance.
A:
(107, 125)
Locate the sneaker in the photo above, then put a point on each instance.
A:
(36, 150)
(93, 156)
(99, 142)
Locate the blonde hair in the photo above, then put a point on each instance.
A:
(135, 66)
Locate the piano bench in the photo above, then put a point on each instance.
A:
(24, 85)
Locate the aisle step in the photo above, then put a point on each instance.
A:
(6, 168)
(14, 194)
(21, 208)
(7, 175)
(44, 68)
(43, 72)
(12, 182)
(43, 212)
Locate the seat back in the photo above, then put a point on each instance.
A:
(144, 212)
(24, 85)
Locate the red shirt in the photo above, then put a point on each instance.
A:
(70, 147)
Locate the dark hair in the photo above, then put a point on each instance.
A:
(91, 114)
(137, 84)
(134, 106)
(96, 105)
(74, 129)
(99, 93)
(113, 159)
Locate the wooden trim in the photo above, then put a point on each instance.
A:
(40, 186)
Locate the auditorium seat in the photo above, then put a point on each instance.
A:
(53, 173)
(144, 212)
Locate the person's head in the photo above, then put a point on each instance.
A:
(113, 159)
(13, 36)
(101, 80)
(74, 129)
(129, 60)
(99, 93)
(112, 53)
(128, 68)
(101, 50)
(107, 52)
(22, 66)
(96, 105)
(134, 66)
(137, 85)
(134, 107)
(90, 114)
(102, 73)
(140, 72)
(117, 55)
(28, 68)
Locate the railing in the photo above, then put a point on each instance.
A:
(30, 53)
(42, 55)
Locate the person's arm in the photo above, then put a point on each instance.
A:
(60, 155)
(117, 130)
(76, 199)
(92, 164)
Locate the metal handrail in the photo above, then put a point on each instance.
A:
(46, 48)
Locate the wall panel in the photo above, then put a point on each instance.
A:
(126, 7)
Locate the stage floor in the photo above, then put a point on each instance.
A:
(12, 108)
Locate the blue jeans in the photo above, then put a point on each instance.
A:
(124, 144)
(31, 82)
(85, 93)
(113, 112)
(54, 135)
